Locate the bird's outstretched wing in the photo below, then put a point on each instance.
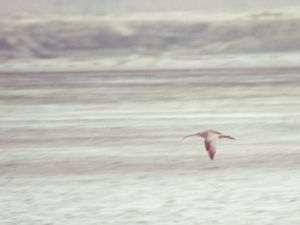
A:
(210, 146)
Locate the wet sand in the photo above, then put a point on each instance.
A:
(106, 147)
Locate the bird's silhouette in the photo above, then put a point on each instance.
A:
(210, 140)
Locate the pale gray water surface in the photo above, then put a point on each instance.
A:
(106, 147)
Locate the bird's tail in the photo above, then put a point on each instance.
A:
(227, 136)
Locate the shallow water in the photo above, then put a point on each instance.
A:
(106, 147)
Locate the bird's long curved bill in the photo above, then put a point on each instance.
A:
(191, 135)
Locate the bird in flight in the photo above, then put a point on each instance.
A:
(210, 140)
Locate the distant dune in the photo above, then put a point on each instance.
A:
(60, 36)
(149, 41)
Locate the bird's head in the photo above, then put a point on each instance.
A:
(200, 134)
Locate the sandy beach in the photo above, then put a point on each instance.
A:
(106, 147)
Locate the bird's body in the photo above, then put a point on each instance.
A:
(210, 140)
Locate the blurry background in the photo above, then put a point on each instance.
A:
(95, 97)
(134, 34)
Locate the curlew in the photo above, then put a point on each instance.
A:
(210, 140)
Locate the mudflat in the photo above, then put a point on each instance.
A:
(106, 147)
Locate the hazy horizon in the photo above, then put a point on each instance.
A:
(135, 6)
(143, 34)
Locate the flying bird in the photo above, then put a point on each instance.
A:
(210, 140)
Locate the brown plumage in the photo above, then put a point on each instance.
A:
(210, 140)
